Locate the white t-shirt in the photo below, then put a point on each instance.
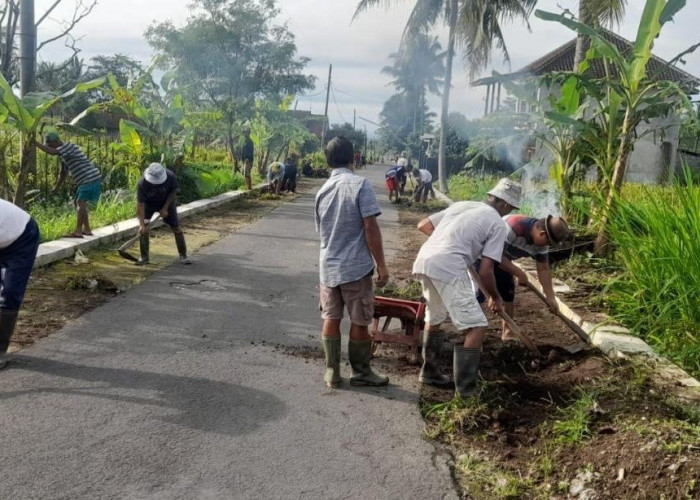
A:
(13, 221)
(425, 176)
(402, 162)
(466, 231)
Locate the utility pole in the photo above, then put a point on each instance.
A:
(27, 47)
(354, 119)
(325, 113)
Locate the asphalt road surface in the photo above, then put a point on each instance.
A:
(181, 388)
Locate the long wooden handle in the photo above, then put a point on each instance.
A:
(509, 321)
(128, 243)
(572, 325)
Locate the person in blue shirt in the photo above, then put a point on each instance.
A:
(346, 213)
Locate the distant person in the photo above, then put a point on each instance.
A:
(247, 156)
(395, 177)
(157, 192)
(424, 181)
(402, 160)
(527, 237)
(19, 241)
(306, 169)
(357, 160)
(346, 213)
(289, 183)
(458, 237)
(84, 174)
(275, 174)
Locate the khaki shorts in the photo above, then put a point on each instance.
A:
(458, 299)
(247, 167)
(356, 296)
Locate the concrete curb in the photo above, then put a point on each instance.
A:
(616, 341)
(65, 248)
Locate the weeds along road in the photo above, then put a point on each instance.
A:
(191, 384)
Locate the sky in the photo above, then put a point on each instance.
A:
(358, 49)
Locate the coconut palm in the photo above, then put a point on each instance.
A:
(474, 26)
(418, 68)
(597, 13)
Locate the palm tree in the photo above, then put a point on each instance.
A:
(418, 68)
(596, 13)
(473, 24)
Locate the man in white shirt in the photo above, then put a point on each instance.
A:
(424, 180)
(19, 241)
(465, 233)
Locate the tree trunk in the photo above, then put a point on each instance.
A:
(602, 241)
(442, 179)
(25, 167)
(582, 42)
(4, 179)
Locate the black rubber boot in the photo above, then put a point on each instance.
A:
(466, 369)
(359, 352)
(8, 320)
(331, 348)
(145, 244)
(430, 371)
(182, 248)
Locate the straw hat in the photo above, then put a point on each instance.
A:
(508, 191)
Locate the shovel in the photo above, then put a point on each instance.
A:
(572, 325)
(512, 324)
(130, 242)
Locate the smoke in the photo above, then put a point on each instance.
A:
(540, 196)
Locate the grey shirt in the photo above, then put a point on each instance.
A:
(341, 205)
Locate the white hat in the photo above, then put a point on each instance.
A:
(155, 173)
(508, 191)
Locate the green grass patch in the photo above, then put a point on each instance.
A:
(482, 478)
(573, 424)
(464, 187)
(457, 414)
(410, 291)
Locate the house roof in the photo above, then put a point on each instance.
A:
(562, 59)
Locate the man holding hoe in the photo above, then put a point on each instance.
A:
(346, 219)
(465, 233)
(157, 191)
(83, 172)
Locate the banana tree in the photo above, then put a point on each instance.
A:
(24, 115)
(626, 91)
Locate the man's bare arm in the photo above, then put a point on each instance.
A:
(373, 236)
(426, 227)
(46, 149)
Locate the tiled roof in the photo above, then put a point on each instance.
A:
(562, 59)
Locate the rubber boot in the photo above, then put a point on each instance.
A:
(331, 348)
(430, 371)
(8, 320)
(466, 369)
(182, 248)
(359, 352)
(145, 244)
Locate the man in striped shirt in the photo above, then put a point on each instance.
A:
(84, 174)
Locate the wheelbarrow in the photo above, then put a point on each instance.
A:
(410, 313)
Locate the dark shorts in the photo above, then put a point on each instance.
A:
(16, 263)
(171, 220)
(247, 166)
(504, 283)
(89, 192)
(356, 296)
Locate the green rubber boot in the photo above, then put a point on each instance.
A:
(8, 320)
(182, 248)
(430, 371)
(331, 348)
(466, 369)
(145, 244)
(359, 352)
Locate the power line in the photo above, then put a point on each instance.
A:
(336, 105)
(357, 96)
(314, 95)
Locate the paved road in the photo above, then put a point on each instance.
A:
(176, 390)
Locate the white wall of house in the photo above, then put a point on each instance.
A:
(654, 154)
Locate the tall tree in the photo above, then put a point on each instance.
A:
(230, 53)
(474, 26)
(418, 68)
(596, 13)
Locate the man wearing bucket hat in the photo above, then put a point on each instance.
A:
(460, 235)
(156, 192)
(528, 237)
(83, 172)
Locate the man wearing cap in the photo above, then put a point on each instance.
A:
(459, 236)
(275, 174)
(247, 155)
(528, 237)
(157, 190)
(425, 184)
(83, 172)
(19, 241)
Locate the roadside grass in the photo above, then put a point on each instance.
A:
(481, 477)
(574, 421)
(464, 187)
(455, 415)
